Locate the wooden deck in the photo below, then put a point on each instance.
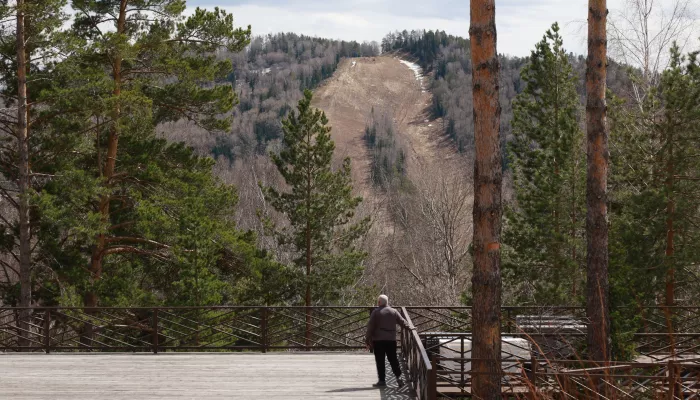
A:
(193, 376)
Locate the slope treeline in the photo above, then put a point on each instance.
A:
(269, 77)
(448, 59)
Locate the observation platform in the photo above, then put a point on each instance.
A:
(200, 376)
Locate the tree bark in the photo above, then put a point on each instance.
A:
(307, 333)
(597, 308)
(98, 252)
(670, 289)
(25, 257)
(486, 279)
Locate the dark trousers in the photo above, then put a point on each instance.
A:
(388, 348)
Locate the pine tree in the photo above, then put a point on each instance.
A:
(545, 227)
(319, 205)
(488, 209)
(597, 276)
(152, 66)
(25, 54)
(656, 168)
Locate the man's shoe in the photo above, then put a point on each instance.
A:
(380, 384)
(399, 382)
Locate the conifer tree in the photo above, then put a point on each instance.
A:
(319, 205)
(597, 160)
(656, 170)
(488, 208)
(545, 227)
(137, 64)
(26, 50)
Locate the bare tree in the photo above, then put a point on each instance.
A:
(488, 210)
(642, 32)
(426, 248)
(596, 189)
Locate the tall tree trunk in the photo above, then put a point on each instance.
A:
(307, 334)
(596, 189)
(670, 295)
(574, 222)
(95, 268)
(308, 287)
(486, 279)
(25, 257)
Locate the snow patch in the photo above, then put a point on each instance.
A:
(417, 70)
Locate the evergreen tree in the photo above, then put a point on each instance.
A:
(152, 66)
(656, 166)
(25, 53)
(319, 205)
(544, 228)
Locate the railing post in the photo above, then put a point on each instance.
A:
(533, 373)
(672, 384)
(47, 334)
(155, 331)
(263, 328)
(461, 362)
(509, 320)
(432, 378)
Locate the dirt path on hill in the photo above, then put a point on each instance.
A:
(386, 83)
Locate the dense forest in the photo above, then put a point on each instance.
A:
(111, 198)
(155, 185)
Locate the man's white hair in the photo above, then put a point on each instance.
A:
(383, 300)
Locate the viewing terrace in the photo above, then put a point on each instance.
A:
(318, 352)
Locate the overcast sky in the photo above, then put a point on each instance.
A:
(520, 23)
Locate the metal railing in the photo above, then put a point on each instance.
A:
(420, 368)
(541, 356)
(525, 375)
(158, 329)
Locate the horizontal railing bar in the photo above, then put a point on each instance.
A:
(695, 308)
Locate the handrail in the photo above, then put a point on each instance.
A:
(420, 368)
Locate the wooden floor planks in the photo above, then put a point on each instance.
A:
(192, 376)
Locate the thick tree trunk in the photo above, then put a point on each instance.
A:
(95, 268)
(25, 257)
(486, 280)
(596, 189)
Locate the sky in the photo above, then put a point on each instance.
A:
(519, 23)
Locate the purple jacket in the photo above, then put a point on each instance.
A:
(382, 324)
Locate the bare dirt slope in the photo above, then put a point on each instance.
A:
(385, 83)
(420, 235)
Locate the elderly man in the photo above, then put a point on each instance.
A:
(381, 338)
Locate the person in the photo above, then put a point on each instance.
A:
(381, 339)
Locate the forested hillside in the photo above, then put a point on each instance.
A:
(269, 77)
(155, 169)
(447, 58)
